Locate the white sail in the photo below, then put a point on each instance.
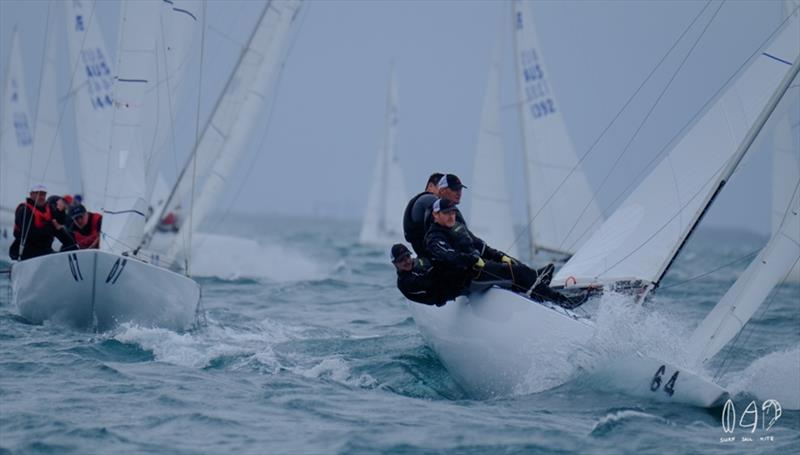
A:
(642, 237)
(16, 136)
(786, 157)
(177, 23)
(126, 194)
(561, 201)
(226, 113)
(92, 87)
(490, 214)
(267, 62)
(754, 285)
(383, 218)
(48, 154)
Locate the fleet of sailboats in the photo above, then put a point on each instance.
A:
(490, 342)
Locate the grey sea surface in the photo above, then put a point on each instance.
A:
(307, 347)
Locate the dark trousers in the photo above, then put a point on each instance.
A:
(517, 278)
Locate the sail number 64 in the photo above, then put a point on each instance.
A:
(669, 387)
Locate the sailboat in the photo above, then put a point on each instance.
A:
(16, 143)
(224, 138)
(383, 216)
(491, 341)
(100, 288)
(559, 199)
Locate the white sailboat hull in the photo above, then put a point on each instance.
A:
(499, 343)
(494, 342)
(98, 289)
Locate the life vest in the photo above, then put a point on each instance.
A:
(85, 241)
(41, 217)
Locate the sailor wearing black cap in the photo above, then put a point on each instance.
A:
(417, 280)
(418, 211)
(466, 261)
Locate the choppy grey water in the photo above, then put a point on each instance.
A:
(307, 347)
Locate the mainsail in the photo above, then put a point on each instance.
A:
(47, 167)
(561, 204)
(383, 218)
(126, 193)
(16, 137)
(92, 89)
(640, 240)
(490, 214)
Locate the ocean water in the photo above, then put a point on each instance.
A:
(307, 347)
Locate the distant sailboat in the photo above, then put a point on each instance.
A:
(16, 143)
(383, 217)
(248, 91)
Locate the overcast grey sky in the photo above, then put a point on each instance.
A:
(327, 121)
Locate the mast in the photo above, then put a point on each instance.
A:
(516, 21)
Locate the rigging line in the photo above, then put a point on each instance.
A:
(612, 122)
(24, 235)
(690, 122)
(725, 366)
(644, 120)
(254, 158)
(188, 248)
(749, 255)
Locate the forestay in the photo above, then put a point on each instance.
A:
(745, 296)
(490, 215)
(126, 193)
(48, 156)
(383, 218)
(16, 137)
(641, 238)
(92, 87)
(561, 204)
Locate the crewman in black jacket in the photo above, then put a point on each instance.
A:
(417, 213)
(35, 227)
(417, 280)
(467, 262)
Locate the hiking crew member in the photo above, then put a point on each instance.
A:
(86, 227)
(35, 228)
(466, 261)
(417, 212)
(417, 280)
